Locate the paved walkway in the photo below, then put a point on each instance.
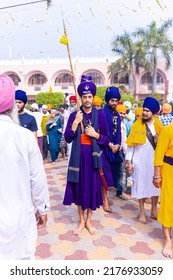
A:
(120, 236)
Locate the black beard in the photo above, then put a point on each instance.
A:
(147, 120)
(112, 108)
(20, 110)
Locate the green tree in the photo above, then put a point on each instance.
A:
(127, 97)
(153, 44)
(101, 93)
(126, 48)
(55, 98)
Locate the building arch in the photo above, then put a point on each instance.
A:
(64, 77)
(117, 79)
(145, 83)
(97, 76)
(147, 78)
(14, 76)
(37, 79)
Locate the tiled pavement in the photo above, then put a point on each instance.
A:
(119, 237)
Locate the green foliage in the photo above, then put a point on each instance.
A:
(123, 89)
(127, 97)
(28, 106)
(140, 103)
(101, 93)
(54, 98)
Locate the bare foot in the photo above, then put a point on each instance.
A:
(122, 196)
(107, 208)
(77, 230)
(110, 202)
(90, 228)
(153, 216)
(142, 219)
(167, 250)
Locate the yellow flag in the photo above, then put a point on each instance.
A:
(64, 40)
(49, 106)
(50, 90)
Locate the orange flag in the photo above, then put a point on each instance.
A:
(50, 90)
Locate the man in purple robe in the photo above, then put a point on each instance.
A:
(87, 130)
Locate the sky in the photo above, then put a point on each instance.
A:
(33, 31)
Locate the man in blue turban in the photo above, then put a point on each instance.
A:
(113, 151)
(152, 104)
(26, 120)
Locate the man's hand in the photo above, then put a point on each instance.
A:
(90, 131)
(157, 182)
(41, 220)
(79, 117)
(115, 148)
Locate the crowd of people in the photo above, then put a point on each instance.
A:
(105, 144)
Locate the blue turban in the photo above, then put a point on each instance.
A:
(152, 104)
(86, 86)
(21, 95)
(112, 92)
(85, 78)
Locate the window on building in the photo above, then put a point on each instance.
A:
(64, 79)
(15, 79)
(37, 80)
(147, 78)
(96, 77)
(159, 79)
(115, 79)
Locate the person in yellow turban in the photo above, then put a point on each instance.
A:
(166, 118)
(121, 109)
(97, 102)
(138, 113)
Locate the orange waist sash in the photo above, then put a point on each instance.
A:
(85, 139)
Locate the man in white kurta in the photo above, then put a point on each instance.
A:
(140, 158)
(23, 185)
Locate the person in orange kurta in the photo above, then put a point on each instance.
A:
(163, 179)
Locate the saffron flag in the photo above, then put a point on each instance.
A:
(64, 40)
(50, 90)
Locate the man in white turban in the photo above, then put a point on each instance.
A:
(130, 116)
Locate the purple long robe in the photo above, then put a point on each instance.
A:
(87, 193)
